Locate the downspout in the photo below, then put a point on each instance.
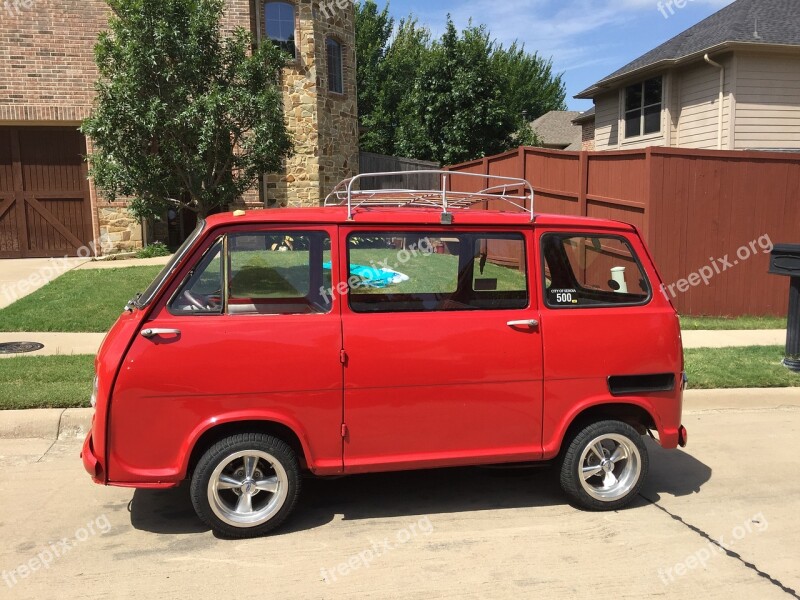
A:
(721, 97)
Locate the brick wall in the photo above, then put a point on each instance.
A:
(47, 74)
(47, 58)
(587, 136)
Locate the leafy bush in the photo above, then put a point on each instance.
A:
(153, 250)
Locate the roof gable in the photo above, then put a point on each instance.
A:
(762, 22)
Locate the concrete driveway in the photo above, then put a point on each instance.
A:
(717, 521)
(20, 277)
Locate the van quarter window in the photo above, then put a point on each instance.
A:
(592, 271)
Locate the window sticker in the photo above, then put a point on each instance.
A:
(563, 297)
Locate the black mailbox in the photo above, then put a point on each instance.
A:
(786, 261)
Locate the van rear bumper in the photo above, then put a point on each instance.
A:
(671, 438)
(90, 461)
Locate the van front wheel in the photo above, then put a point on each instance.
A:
(604, 466)
(246, 485)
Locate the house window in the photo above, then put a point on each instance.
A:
(335, 75)
(643, 108)
(279, 25)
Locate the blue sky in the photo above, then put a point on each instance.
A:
(587, 39)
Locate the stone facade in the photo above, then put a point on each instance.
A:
(324, 124)
(119, 231)
(47, 73)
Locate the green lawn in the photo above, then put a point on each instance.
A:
(46, 381)
(752, 367)
(87, 300)
(731, 323)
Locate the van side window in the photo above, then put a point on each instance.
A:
(263, 273)
(278, 273)
(435, 271)
(202, 291)
(592, 271)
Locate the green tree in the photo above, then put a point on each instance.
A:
(456, 98)
(183, 111)
(531, 88)
(373, 31)
(459, 110)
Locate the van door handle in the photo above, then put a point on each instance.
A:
(150, 333)
(529, 323)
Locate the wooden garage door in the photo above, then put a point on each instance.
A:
(44, 193)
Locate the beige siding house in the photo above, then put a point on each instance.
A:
(732, 82)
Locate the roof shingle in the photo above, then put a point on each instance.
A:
(763, 22)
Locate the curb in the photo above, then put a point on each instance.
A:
(46, 423)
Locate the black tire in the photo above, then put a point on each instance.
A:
(597, 492)
(272, 487)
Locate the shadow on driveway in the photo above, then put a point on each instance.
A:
(428, 492)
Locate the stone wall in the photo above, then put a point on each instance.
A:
(324, 124)
(119, 230)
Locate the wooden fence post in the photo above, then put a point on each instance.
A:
(583, 183)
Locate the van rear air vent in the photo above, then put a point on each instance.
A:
(622, 385)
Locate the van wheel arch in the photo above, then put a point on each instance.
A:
(225, 430)
(632, 414)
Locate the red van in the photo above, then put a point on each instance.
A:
(389, 330)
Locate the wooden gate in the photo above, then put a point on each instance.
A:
(45, 209)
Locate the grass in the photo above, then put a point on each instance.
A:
(46, 381)
(751, 367)
(732, 323)
(79, 301)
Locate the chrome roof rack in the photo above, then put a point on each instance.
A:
(515, 192)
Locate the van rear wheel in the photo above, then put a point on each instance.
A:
(604, 466)
(246, 485)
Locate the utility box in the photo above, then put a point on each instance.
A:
(785, 261)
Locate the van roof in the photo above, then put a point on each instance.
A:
(408, 216)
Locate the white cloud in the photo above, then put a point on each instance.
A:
(554, 28)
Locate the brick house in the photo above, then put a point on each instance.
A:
(48, 207)
(731, 82)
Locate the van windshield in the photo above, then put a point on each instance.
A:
(143, 299)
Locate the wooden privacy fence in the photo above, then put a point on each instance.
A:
(708, 217)
(380, 163)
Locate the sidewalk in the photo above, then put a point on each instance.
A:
(59, 423)
(56, 343)
(729, 339)
(124, 263)
(22, 276)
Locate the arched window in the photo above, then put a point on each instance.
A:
(279, 25)
(335, 71)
